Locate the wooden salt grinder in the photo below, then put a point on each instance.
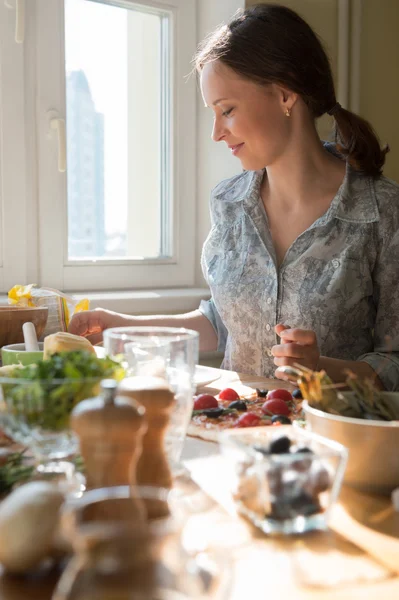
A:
(157, 398)
(110, 431)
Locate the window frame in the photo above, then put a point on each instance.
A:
(14, 193)
(44, 54)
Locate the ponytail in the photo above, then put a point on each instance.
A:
(357, 141)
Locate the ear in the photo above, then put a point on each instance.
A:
(286, 97)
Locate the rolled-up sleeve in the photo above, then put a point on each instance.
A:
(385, 358)
(209, 310)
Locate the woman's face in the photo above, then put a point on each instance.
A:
(248, 117)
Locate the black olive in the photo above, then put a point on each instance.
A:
(213, 413)
(281, 419)
(238, 405)
(261, 393)
(321, 480)
(297, 394)
(303, 449)
(280, 445)
(304, 504)
(280, 510)
(289, 508)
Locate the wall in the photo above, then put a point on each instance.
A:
(379, 74)
(214, 160)
(361, 37)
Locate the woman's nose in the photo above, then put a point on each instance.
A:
(218, 133)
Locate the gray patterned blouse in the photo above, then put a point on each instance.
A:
(340, 278)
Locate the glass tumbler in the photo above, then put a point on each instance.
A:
(120, 554)
(167, 352)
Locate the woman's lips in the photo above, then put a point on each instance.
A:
(235, 149)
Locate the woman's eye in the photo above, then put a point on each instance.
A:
(227, 112)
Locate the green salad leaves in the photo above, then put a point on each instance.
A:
(44, 394)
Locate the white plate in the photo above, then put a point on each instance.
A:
(204, 375)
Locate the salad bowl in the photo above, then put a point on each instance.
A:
(36, 402)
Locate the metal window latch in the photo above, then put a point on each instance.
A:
(19, 6)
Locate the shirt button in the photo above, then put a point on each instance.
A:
(269, 352)
(269, 300)
(268, 327)
(335, 263)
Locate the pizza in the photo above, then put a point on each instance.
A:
(213, 414)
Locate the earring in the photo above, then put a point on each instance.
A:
(288, 112)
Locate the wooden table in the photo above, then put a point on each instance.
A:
(315, 566)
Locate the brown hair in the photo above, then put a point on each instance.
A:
(269, 43)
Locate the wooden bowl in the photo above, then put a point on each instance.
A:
(12, 318)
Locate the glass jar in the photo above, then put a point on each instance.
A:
(121, 555)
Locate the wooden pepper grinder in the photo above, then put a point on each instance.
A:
(157, 398)
(110, 431)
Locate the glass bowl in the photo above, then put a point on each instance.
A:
(35, 413)
(284, 479)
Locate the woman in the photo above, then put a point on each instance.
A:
(302, 257)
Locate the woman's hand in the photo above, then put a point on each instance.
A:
(91, 323)
(297, 346)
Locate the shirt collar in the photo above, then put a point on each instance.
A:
(355, 201)
(244, 186)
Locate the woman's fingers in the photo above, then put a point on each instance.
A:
(280, 327)
(95, 339)
(305, 337)
(297, 346)
(288, 350)
(285, 361)
(86, 323)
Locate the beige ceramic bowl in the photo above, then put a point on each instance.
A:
(12, 319)
(373, 462)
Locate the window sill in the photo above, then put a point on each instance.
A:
(147, 302)
(163, 301)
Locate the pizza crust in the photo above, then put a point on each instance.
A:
(210, 435)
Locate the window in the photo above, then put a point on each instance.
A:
(98, 144)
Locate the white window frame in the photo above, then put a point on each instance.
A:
(14, 195)
(45, 51)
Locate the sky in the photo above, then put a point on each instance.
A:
(96, 42)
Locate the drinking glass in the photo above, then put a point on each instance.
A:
(120, 553)
(167, 352)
